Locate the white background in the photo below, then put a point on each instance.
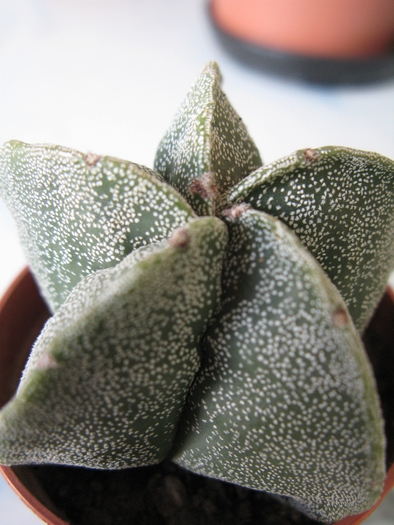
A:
(107, 76)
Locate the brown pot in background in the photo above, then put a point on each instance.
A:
(22, 315)
(316, 40)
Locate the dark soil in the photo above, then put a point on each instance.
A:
(160, 495)
(379, 343)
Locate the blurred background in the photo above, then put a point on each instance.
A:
(107, 76)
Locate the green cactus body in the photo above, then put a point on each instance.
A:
(340, 202)
(207, 148)
(80, 213)
(285, 400)
(219, 342)
(106, 391)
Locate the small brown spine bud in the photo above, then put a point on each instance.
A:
(179, 238)
(236, 211)
(45, 362)
(92, 159)
(205, 186)
(340, 317)
(311, 155)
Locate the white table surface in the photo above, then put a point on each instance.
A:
(107, 76)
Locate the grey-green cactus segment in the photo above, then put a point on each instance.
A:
(285, 400)
(340, 202)
(79, 213)
(207, 148)
(107, 379)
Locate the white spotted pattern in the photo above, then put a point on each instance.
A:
(340, 202)
(207, 136)
(123, 349)
(80, 213)
(285, 400)
(265, 384)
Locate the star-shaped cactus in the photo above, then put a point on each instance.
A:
(208, 311)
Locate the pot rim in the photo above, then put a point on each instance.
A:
(300, 66)
(28, 498)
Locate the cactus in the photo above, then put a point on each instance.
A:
(208, 311)
(340, 203)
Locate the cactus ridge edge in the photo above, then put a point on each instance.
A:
(126, 376)
(79, 213)
(340, 202)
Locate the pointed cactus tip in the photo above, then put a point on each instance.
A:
(213, 66)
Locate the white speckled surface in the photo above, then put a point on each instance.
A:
(107, 76)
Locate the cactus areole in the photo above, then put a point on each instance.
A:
(208, 311)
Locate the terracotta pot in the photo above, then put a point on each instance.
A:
(312, 39)
(22, 315)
